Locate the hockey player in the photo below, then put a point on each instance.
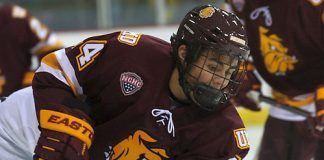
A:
(286, 40)
(22, 36)
(143, 98)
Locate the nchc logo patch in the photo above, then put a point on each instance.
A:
(130, 83)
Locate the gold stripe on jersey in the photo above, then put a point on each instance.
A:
(54, 72)
(284, 99)
(250, 67)
(320, 94)
(52, 62)
(238, 157)
(320, 113)
(69, 71)
(28, 78)
(65, 123)
(2, 83)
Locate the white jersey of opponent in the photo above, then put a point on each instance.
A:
(19, 131)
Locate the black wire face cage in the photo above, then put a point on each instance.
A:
(213, 77)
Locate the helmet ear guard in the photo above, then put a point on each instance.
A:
(209, 28)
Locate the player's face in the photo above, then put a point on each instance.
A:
(212, 69)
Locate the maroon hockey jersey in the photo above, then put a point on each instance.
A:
(124, 76)
(21, 37)
(287, 42)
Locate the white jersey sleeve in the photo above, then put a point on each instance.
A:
(18, 126)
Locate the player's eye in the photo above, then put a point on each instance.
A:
(214, 67)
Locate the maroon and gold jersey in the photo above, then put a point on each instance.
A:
(21, 37)
(124, 76)
(286, 40)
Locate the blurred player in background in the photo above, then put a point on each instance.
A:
(145, 98)
(22, 36)
(286, 38)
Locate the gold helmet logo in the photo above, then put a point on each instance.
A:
(207, 12)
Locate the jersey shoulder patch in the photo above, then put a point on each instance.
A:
(129, 38)
(241, 138)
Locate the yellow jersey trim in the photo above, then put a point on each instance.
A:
(51, 61)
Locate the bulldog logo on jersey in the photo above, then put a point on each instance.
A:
(275, 54)
(130, 83)
(206, 12)
(138, 146)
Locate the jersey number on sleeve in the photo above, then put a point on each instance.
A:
(89, 50)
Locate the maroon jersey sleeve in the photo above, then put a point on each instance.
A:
(22, 36)
(62, 73)
(95, 68)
